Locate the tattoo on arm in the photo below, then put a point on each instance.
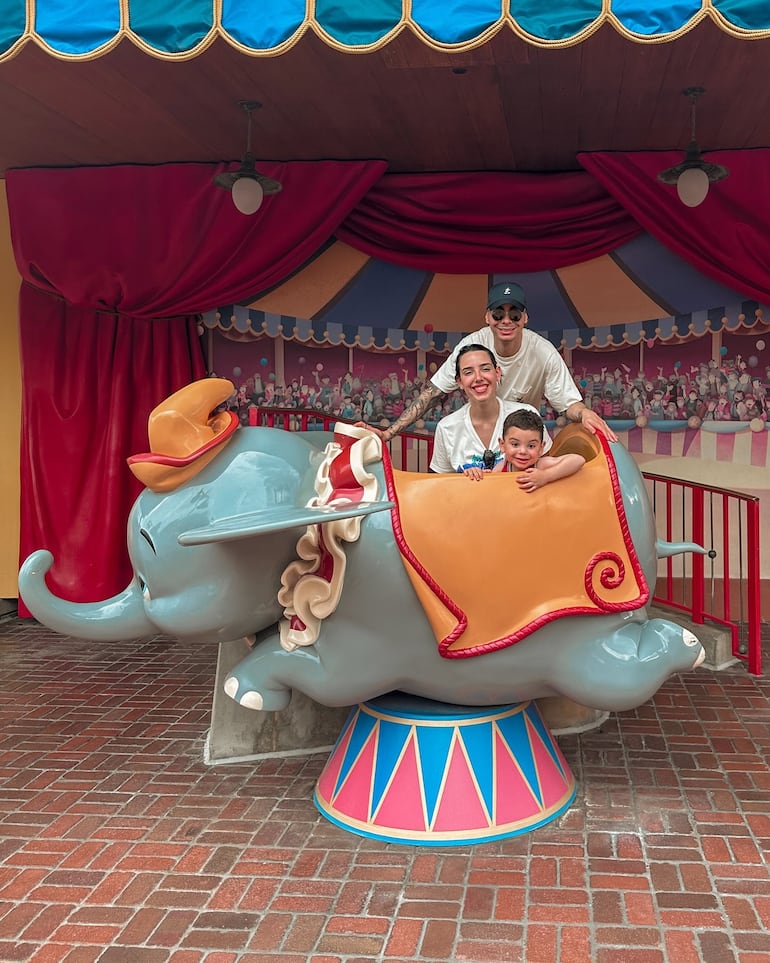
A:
(416, 410)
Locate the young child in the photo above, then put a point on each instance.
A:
(522, 444)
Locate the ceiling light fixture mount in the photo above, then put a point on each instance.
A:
(247, 185)
(694, 175)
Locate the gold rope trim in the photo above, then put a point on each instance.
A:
(310, 24)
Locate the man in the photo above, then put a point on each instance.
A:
(532, 369)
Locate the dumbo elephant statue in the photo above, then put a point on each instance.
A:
(350, 579)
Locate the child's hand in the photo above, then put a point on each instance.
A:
(530, 479)
(475, 474)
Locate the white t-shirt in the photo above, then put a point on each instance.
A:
(535, 372)
(457, 446)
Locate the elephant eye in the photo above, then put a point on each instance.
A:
(146, 536)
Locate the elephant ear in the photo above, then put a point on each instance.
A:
(277, 519)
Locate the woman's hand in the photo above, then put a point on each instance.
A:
(475, 474)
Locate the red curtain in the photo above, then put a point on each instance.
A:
(89, 380)
(725, 238)
(105, 253)
(469, 223)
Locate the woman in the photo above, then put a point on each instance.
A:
(467, 441)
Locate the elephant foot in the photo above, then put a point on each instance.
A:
(659, 637)
(267, 700)
(701, 656)
(631, 664)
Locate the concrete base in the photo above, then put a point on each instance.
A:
(239, 735)
(563, 716)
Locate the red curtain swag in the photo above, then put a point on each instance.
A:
(175, 244)
(483, 223)
(725, 238)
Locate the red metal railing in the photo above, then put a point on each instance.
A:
(722, 587)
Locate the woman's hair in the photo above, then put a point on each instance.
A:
(524, 420)
(473, 347)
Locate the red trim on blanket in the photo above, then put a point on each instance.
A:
(398, 535)
(608, 575)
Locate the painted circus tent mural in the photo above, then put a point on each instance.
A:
(363, 347)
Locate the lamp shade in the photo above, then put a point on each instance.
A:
(247, 195)
(692, 186)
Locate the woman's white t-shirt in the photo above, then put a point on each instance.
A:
(456, 445)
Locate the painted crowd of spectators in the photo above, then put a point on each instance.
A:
(729, 391)
(732, 390)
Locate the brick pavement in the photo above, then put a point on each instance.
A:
(118, 845)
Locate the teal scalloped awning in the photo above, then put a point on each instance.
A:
(73, 29)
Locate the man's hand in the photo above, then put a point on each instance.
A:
(593, 423)
(590, 420)
(378, 431)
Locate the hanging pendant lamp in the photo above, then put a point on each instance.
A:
(693, 176)
(247, 185)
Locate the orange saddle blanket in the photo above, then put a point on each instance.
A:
(491, 563)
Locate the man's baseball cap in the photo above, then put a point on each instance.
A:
(506, 292)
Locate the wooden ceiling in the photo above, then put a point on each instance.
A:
(506, 105)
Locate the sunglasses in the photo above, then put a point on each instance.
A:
(513, 313)
(488, 459)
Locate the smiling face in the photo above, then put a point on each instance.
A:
(521, 447)
(477, 375)
(507, 324)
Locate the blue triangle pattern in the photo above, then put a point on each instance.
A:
(478, 740)
(392, 737)
(362, 727)
(514, 732)
(433, 744)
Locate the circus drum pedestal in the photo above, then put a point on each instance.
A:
(409, 770)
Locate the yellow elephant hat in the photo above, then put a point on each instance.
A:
(184, 434)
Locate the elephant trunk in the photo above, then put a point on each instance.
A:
(121, 617)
